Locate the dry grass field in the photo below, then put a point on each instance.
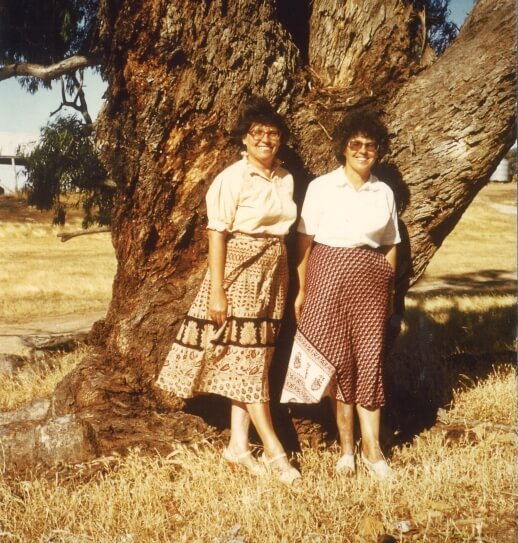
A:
(42, 276)
(452, 485)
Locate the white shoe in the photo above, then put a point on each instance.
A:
(284, 471)
(380, 469)
(346, 464)
(244, 461)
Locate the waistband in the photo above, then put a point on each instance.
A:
(368, 247)
(256, 236)
(365, 247)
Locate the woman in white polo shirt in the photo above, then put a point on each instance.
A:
(346, 246)
(226, 342)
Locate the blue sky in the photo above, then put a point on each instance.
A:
(459, 9)
(22, 114)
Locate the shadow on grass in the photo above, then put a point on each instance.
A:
(433, 356)
(446, 347)
(436, 353)
(494, 281)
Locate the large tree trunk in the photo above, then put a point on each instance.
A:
(177, 72)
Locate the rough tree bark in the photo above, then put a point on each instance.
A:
(177, 72)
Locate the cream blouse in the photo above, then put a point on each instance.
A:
(242, 199)
(337, 214)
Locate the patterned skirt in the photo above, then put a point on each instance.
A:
(340, 340)
(234, 360)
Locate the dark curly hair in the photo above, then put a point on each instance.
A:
(365, 123)
(258, 110)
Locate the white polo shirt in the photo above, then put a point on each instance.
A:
(336, 214)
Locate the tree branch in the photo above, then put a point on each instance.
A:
(445, 422)
(78, 102)
(65, 236)
(51, 71)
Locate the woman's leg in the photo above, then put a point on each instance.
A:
(370, 430)
(274, 453)
(262, 420)
(344, 413)
(259, 413)
(239, 427)
(238, 449)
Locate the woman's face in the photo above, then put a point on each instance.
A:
(361, 153)
(262, 142)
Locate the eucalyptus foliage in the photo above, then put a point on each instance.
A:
(440, 32)
(65, 167)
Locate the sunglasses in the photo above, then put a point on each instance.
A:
(357, 145)
(258, 134)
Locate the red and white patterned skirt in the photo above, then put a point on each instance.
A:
(340, 340)
(234, 360)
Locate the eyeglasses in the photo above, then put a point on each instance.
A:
(357, 145)
(258, 134)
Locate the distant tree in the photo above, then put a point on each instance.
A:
(66, 162)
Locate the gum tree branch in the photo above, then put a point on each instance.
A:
(78, 102)
(51, 71)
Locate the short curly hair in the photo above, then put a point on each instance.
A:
(365, 123)
(258, 110)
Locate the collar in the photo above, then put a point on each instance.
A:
(342, 180)
(253, 170)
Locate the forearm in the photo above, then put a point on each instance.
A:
(218, 304)
(390, 253)
(304, 245)
(217, 256)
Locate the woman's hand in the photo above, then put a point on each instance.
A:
(304, 246)
(218, 306)
(299, 302)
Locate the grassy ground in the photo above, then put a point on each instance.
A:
(40, 275)
(455, 483)
(484, 241)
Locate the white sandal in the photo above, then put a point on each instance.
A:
(380, 469)
(346, 465)
(237, 461)
(285, 474)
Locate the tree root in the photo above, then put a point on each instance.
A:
(29, 446)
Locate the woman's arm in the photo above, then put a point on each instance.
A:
(304, 244)
(390, 253)
(218, 304)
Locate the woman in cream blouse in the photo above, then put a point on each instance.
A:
(225, 345)
(347, 238)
